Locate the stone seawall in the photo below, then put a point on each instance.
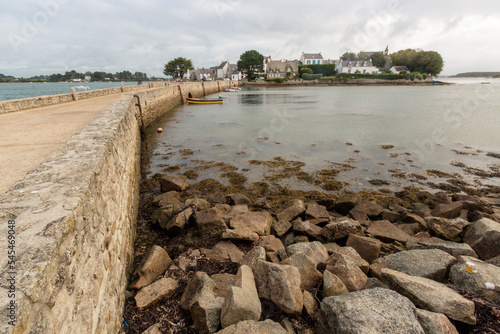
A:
(47, 100)
(73, 221)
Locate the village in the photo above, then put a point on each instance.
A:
(288, 69)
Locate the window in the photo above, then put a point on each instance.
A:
(308, 61)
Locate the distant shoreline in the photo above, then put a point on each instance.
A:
(346, 83)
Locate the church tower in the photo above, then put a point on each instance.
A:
(386, 52)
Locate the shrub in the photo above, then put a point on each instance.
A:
(403, 72)
(407, 75)
(419, 76)
(277, 79)
(383, 76)
(306, 70)
(325, 69)
(425, 75)
(412, 76)
(307, 76)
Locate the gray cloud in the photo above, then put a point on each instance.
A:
(47, 36)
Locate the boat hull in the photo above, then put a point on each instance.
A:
(203, 101)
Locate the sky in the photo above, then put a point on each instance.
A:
(54, 36)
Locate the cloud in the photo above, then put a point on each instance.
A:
(48, 36)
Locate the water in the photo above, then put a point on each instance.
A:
(450, 129)
(10, 91)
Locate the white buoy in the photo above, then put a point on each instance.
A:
(160, 130)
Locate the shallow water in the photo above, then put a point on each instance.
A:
(429, 127)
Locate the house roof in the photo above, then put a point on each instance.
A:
(281, 66)
(223, 64)
(357, 63)
(233, 67)
(400, 68)
(312, 55)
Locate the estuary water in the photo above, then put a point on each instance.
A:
(10, 91)
(372, 137)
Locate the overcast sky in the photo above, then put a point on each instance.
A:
(54, 36)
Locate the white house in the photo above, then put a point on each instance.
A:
(282, 69)
(266, 61)
(353, 66)
(311, 59)
(397, 69)
(224, 70)
(235, 73)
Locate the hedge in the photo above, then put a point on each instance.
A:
(383, 76)
(307, 76)
(326, 69)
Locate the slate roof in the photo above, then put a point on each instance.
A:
(223, 64)
(362, 63)
(401, 68)
(313, 56)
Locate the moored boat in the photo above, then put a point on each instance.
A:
(192, 100)
(232, 89)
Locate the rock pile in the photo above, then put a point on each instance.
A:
(354, 267)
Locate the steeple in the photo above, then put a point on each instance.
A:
(386, 50)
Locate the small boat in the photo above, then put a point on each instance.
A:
(82, 87)
(232, 89)
(192, 100)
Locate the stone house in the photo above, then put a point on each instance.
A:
(235, 73)
(311, 59)
(282, 69)
(224, 70)
(352, 66)
(203, 74)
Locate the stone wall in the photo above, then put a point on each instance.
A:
(42, 101)
(74, 218)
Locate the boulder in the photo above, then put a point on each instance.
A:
(438, 198)
(258, 222)
(210, 221)
(373, 311)
(291, 210)
(386, 231)
(340, 229)
(239, 235)
(270, 243)
(346, 203)
(453, 248)
(391, 216)
(165, 198)
(234, 211)
(484, 237)
(315, 250)
(476, 276)
(199, 285)
(155, 262)
(310, 305)
(367, 248)
(411, 218)
(166, 212)
(177, 223)
(316, 211)
(281, 227)
(352, 255)
(346, 269)
(310, 230)
(254, 327)
(450, 211)
(431, 295)
(155, 329)
(173, 183)
(223, 282)
(435, 323)
(253, 255)
(199, 204)
(495, 261)
(309, 275)
(448, 229)
(359, 216)
(371, 209)
(430, 263)
(224, 251)
(151, 294)
(280, 284)
(332, 285)
(206, 312)
(242, 302)
(238, 199)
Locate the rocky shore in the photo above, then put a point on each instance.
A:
(211, 260)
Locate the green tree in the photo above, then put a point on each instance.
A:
(378, 60)
(178, 67)
(429, 62)
(251, 62)
(362, 56)
(348, 56)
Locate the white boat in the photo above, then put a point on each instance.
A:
(232, 89)
(82, 87)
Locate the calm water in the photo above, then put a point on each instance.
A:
(10, 91)
(431, 127)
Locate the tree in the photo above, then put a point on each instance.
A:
(178, 67)
(251, 62)
(348, 56)
(429, 62)
(378, 60)
(362, 56)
